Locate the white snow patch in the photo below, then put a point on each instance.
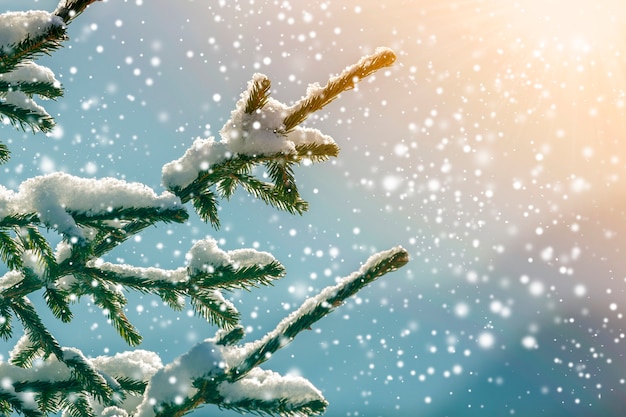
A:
(174, 382)
(52, 197)
(16, 26)
(258, 134)
(267, 385)
(205, 255)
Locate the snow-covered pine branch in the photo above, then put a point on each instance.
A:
(94, 216)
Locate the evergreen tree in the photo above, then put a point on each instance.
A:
(94, 216)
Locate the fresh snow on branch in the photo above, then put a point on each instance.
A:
(205, 254)
(236, 357)
(55, 197)
(256, 134)
(30, 72)
(267, 386)
(15, 27)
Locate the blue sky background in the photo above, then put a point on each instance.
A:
(492, 150)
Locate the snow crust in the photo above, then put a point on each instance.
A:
(261, 133)
(15, 27)
(52, 197)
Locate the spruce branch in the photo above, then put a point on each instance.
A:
(57, 301)
(87, 378)
(10, 252)
(212, 307)
(318, 307)
(317, 152)
(258, 93)
(230, 278)
(319, 97)
(37, 333)
(68, 10)
(279, 407)
(23, 117)
(5, 154)
(6, 331)
(30, 88)
(32, 47)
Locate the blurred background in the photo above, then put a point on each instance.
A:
(493, 150)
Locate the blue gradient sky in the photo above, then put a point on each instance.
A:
(493, 151)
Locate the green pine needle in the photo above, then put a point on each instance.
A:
(5, 154)
(213, 310)
(131, 385)
(6, 331)
(258, 94)
(38, 335)
(10, 253)
(70, 9)
(24, 357)
(31, 47)
(309, 314)
(278, 407)
(207, 208)
(57, 301)
(43, 89)
(281, 173)
(229, 338)
(23, 118)
(229, 278)
(317, 152)
(88, 378)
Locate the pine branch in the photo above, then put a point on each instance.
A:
(267, 192)
(258, 93)
(31, 47)
(6, 331)
(57, 301)
(212, 307)
(24, 357)
(10, 253)
(316, 100)
(229, 337)
(87, 377)
(229, 278)
(281, 173)
(30, 88)
(35, 329)
(21, 117)
(68, 10)
(32, 240)
(279, 407)
(318, 307)
(317, 152)
(76, 405)
(10, 402)
(112, 303)
(206, 206)
(131, 385)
